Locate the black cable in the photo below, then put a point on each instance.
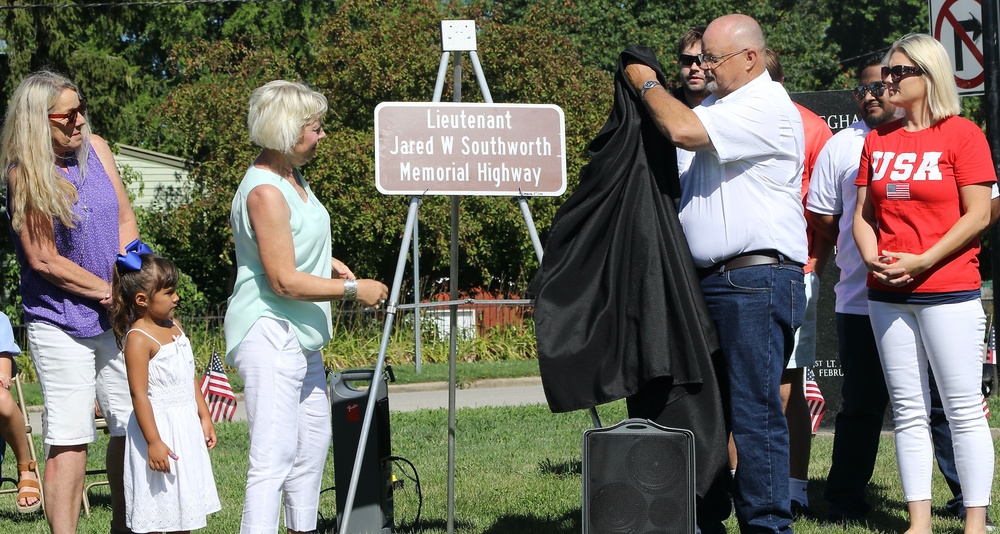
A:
(416, 484)
(321, 521)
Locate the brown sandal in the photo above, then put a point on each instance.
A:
(27, 489)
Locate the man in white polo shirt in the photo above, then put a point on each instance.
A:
(741, 210)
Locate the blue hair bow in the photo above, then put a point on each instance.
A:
(132, 260)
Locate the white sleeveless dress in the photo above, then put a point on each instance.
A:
(181, 499)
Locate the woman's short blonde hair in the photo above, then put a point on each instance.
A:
(929, 55)
(26, 143)
(278, 112)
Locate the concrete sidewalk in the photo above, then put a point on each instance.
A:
(490, 392)
(424, 396)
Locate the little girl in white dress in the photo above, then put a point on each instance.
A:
(169, 486)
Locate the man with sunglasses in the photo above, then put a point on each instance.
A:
(693, 79)
(832, 193)
(741, 211)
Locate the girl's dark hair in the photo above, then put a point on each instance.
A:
(156, 273)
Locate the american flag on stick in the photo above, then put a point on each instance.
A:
(991, 345)
(217, 391)
(815, 400)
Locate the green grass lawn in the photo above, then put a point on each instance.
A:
(517, 470)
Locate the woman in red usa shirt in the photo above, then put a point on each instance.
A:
(923, 196)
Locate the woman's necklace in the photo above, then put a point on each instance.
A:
(73, 175)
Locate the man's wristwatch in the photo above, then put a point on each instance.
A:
(646, 87)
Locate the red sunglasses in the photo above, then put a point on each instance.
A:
(73, 113)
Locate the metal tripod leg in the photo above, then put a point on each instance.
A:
(411, 218)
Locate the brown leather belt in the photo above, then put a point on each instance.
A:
(749, 259)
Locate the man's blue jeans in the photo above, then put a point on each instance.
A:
(859, 424)
(757, 310)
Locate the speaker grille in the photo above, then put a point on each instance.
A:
(638, 477)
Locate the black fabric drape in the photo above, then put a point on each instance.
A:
(617, 300)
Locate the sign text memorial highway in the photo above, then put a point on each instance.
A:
(470, 149)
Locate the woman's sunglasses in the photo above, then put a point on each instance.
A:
(876, 89)
(73, 113)
(899, 72)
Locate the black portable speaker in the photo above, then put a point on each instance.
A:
(638, 477)
(373, 508)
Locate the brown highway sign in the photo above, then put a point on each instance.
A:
(470, 149)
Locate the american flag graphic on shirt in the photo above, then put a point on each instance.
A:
(217, 391)
(897, 191)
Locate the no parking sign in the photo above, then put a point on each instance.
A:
(958, 26)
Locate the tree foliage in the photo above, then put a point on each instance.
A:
(176, 78)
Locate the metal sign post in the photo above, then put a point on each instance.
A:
(498, 157)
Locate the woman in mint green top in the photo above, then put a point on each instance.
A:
(278, 318)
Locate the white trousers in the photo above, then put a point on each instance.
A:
(288, 413)
(950, 338)
(73, 372)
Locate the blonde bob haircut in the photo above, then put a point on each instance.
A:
(26, 143)
(931, 57)
(278, 112)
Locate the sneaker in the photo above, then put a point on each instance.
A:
(990, 527)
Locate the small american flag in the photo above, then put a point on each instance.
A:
(217, 391)
(897, 191)
(815, 400)
(991, 346)
(986, 407)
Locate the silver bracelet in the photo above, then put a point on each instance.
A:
(350, 289)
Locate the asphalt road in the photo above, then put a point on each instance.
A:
(431, 395)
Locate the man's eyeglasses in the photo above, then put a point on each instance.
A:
(901, 71)
(72, 114)
(686, 60)
(876, 89)
(714, 61)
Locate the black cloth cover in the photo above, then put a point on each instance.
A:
(617, 299)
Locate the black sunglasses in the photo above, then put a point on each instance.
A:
(876, 89)
(901, 71)
(686, 60)
(73, 113)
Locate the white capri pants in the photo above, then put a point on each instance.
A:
(73, 372)
(950, 338)
(288, 413)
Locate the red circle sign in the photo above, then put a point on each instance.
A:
(946, 15)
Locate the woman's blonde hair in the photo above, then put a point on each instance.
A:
(26, 143)
(278, 112)
(932, 58)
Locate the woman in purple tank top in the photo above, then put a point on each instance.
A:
(69, 217)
